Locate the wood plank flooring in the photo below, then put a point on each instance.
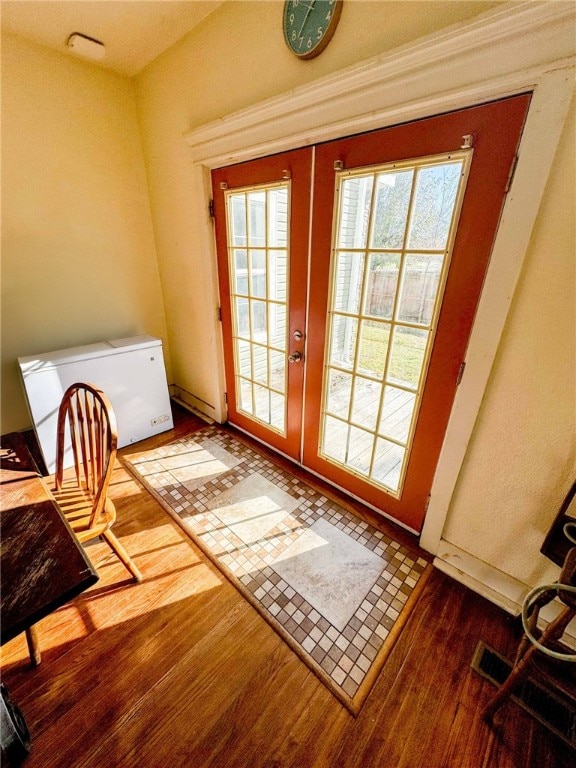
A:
(181, 671)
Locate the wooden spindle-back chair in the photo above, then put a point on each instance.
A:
(535, 644)
(87, 438)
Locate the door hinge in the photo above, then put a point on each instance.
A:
(427, 504)
(211, 209)
(511, 173)
(219, 314)
(460, 372)
(226, 397)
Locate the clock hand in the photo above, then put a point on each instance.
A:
(306, 17)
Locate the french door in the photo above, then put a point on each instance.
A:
(262, 212)
(349, 277)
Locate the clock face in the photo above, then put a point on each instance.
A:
(309, 25)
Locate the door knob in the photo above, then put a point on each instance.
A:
(295, 357)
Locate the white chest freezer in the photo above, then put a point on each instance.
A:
(130, 371)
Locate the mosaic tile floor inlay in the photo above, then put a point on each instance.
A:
(332, 585)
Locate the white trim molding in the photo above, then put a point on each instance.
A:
(550, 102)
(496, 54)
(515, 48)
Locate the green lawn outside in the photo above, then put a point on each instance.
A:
(407, 356)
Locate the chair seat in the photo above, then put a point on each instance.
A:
(76, 505)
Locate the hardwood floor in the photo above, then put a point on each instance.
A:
(181, 671)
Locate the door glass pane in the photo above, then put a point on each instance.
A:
(244, 358)
(277, 325)
(277, 370)
(242, 317)
(356, 201)
(238, 221)
(420, 282)
(343, 341)
(434, 200)
(391, 209)
(277, 410)
(366, 402)
(388, 463)
(382, 284)
(258, 273)
(278, 217)
(407, 357)
(390, 257)
(241, 271)
(245, 396)
(348, 288)
(259, 364)
(262, 403)
(359, 450)
(374, 337)
(258, 319)
(258, 218)
(335, 439)
(396, 414)
(277, 275)
(339, 392)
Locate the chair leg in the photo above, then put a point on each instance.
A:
(521, 668)
(33, 645)
(516, 676)
(119, 550)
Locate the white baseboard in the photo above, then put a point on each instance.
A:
(194, 404)
(495, 585)
(480, 577)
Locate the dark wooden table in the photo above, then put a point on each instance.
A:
(42, 564)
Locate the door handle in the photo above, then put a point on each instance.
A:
(295, 357)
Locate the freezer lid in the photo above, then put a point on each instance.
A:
(31, 364)
(135, 342)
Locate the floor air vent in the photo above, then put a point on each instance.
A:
(549, 707)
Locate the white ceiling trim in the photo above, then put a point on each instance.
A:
(498, 53)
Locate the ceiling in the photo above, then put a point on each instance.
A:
(134, 32)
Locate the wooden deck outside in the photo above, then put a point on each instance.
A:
(394, 422)
(181, 671)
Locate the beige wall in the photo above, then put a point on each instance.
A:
(78, 254)
(521, 457)
(237, 58)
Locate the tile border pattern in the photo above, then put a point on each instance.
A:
(347, 661)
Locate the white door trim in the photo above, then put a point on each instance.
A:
(510, 50)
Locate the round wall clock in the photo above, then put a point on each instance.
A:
(309, 25)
